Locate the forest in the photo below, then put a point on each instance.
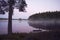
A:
(45, 15)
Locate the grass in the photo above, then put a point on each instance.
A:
(13, 36)
(32, 36)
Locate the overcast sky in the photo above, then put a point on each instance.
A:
(36, 6)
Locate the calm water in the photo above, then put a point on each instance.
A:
(25, 26)
(17, 26)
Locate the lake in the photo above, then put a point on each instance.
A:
(26, 26)
(18, 26)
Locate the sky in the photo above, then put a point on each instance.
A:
(35, 6)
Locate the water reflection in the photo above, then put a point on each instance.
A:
(28, 26)
(21, 26)
(17, 26)
(46, 24)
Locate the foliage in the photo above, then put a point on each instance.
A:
(45, 15)
(19, 4)
(46, 20)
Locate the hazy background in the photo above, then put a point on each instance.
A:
(35, 6)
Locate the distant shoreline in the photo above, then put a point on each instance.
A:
(45, 16)
(12, 19)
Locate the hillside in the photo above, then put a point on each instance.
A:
(45, 15)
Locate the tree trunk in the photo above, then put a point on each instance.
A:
(10, 19)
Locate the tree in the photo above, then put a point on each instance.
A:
(8, 6)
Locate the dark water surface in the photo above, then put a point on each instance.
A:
(17, 26)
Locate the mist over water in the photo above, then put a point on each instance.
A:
(17, 26)
(50, 24)
(26, 26)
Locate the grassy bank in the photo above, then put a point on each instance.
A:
(32, 36)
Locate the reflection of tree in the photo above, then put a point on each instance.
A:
(35, 25)
(46, 26)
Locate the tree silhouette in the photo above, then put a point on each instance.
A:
(8, 6)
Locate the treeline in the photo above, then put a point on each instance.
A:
(3, 18)
(45, 15)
